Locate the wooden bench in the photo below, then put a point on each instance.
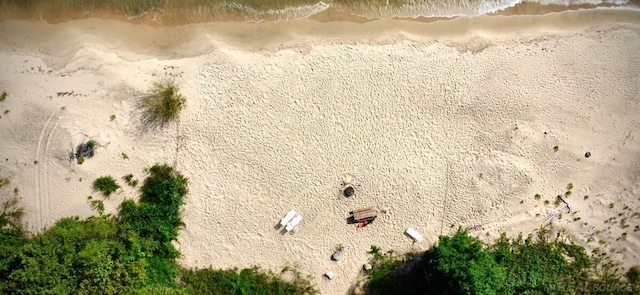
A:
(365, 214)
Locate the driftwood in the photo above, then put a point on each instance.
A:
(85, 149)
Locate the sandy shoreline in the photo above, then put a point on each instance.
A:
(443, 123)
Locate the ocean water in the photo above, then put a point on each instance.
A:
(192, 11)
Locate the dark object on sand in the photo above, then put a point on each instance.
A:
(365, 214)
(349, 191)
(587, 154)
(336, 255)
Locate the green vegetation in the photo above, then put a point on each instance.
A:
(85, 150)
(463, 265)
(557, 200)
(247, 281)
(556, 148)
(106, 185)
(97, 205)
(610, 205)
(127, 253)
(162, 104)
(538, 196)
(4, 181)
(129, 180)
(586, 197)
(91, 144)
(112, 117)
(3, 96)
(125, 156)
(570, 186)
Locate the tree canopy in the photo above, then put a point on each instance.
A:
(461, 264)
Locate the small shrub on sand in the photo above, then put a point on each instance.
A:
(105, 184)
(586, 197)
(556, 148)
(610, 205)
(84, 150)
(125, 156)
(162, 103)
(570, 186)
(538, 196)
(3, 96)
(129, 180)
(4, 181)
(546, 202)
(96, 205)
(113, 117)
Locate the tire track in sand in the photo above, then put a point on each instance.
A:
(42, 173)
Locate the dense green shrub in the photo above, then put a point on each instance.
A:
(130, 253)
(157, 215)
(533, 265)
(460, 265)
(74, 257)
(106, 185)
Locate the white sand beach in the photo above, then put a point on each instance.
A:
(447, 123)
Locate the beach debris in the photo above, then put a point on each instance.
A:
(587, 154)
(552, 215)
(336, 255)
(364, 216)
(84, 150)
(566, 204)
(329, 275)
(66, 93)
(367, 267)
(349, 191)
(557, 211)
(414, 235)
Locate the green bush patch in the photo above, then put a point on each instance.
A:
(162, 103)
(106, 185)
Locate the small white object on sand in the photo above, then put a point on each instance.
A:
(414, 235)
(329, 275)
